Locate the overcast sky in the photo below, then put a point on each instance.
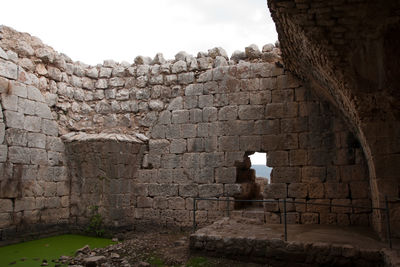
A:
(93, 30)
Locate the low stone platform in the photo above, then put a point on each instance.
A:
(307, 245)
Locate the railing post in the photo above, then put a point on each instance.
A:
(194, 214)
(388, 231)
(228, 206)
(284, 218)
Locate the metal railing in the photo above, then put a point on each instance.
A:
(285, 202)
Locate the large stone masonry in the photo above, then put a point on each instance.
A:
(202, 116)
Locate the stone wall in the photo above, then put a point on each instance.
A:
(199, 118)
(347, 51)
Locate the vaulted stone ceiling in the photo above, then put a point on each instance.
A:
(348, 50)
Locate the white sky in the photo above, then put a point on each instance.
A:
(258, 159)
(93, 30)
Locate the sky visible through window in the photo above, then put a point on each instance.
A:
(259, 163)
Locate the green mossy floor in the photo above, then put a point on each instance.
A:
(32, 253)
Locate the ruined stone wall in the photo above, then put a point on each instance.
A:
(199, 118)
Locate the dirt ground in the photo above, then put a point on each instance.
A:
(164, 248)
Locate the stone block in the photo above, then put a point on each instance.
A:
(266, 127)
(211, 144)
(225, 175)
(139, 189)
(260, 98)
(316, 190)
(9, 102)
(227, 113)
(144, 202)
(14, 119)
(361, 205)
(195, 145)
(196, 115)
(32, 124)
(163, 189)
(309, 218)
(359, 189)
(176, 203)
(359, 219)
(250, 143)
(277, 158)
(6, 205)
(190, 102)
(18, 154)
(147, 176)
(285, 174)
(8, 69)
(277, 190)
(160, 203)
(178, 146)
(188, 190)
(251, 112)
(194, 89)
(43, 111)
(189, 130)
(16, 137)
(158, 146)
(49, 127)
(211, 190)
(202, 176)
(36, 140)
(272, 218)
(242, 127)
(341, 202)
(343, 219)
(318, 205)
(271, 206)
(313, 174)
(336, 190)
(327, 218)
(291, 218)
(270, 142)
(228, 143)
(206, 101)
(282, 96)
(297, 190)
(298, 157)
(171, 161)
(180, 116)
(232, 189)
(210, 114)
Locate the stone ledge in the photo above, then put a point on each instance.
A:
(83, 137)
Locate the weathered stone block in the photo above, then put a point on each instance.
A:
(225, 175)
(228, 143)
(309, 218)
(311, 174)
(189, 130)
(327, 218)
(250, 143)
(316, 190)
(298, 157)
(206, 101)
(266, 127)
(277, 190)
(171, 161)
(227, 113)
(144, 202)
(277, 158)
(32, 123)
(195, 145)
(18, 154)
(36, 140)
(180, 116)
(297, 190)
(272, 218)
(163, 189)
(176, 203)
(318, 205)
(211, 190)
(210, 114)
(251, 112)
(14, 119)
(8, 69)
(188, 190)
(49, 127)
(285, 175)
(336, 190)
(359, 189)
(158, 146)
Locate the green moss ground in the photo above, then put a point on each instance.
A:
(32, 253)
